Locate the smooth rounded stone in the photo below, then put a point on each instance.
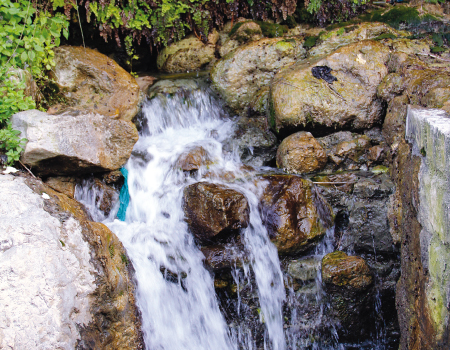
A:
(298, 99)
(92, 82)
(336, 38)
(246, 31)
(345, 271)
(290, 211)
(193, 159)
(301, 153)
(240, 75)
(189, 54)
(64, 278)
(304, 269)
(255, 143)
(74, 144)
(212, 209)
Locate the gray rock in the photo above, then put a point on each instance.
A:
(304, 269)
(51, 262)
(240, 74)
(68, 144)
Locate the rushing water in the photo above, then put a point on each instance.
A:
(175, 293)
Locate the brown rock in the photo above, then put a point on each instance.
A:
(63, 184)
(342, 270)
(375, 153)
(212, 209)
(289, 212)
(193, 159)
(145, 82)
(92, 82)
(300, 153)
(221, 257)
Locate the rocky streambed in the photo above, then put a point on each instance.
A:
(278, 210)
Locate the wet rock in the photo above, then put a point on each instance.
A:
(227, 256)
(74, 144)
(297, 99)
(304, 269)
(368, 229)
(170, 87)
(105, 196)
(78, 268)
(193, 159)
(63, 184)
(395, 120)
(242, 73)
(255, 143)
(189, 54)
(290, 210)
(301, 153)
(92, 82)
(342, 182)
(341, 270)
(212, 209)
(371, 188)
(347, 280)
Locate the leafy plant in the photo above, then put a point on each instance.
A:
(27, 37)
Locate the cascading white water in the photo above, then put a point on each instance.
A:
(175, 293)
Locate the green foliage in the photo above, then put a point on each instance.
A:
(27, 38)
(310, 41)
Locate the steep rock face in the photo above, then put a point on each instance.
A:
(188, 54)
(68, 144)
(290, 211)
(211, 209)
(422, 292)
(298, 99)
(92, 82)
(66, 283)
(240, 74)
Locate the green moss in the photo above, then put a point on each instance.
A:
(380, 169)
(271, 117)
(437, 49)
(386, 36)
(111, 250)
(235, 28)
(423, 152)
(310, 41)
(401, 14)
(124, 259)
(62, 243)
(272, 30)
(284, 45)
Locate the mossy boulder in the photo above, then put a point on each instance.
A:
(292, 213)
(240, 75)
(189, 54)
(338, 37)
(301, 153)
(92, 82)
(298, 99)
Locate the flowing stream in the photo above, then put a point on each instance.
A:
(175, 292)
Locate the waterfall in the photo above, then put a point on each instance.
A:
(175, 293)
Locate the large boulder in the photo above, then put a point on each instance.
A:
(339, 37)
(212, 209)
(66, 282)
(301, 153)
(243, 72)
(298, 99)
(92, 82)
(74, 144)
(189, 54)
(292, 213)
